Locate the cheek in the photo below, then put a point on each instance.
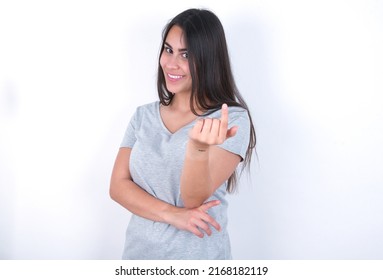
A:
(185, 68)
(163, 61)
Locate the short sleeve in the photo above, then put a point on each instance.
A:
(239, 143)
(130, 134)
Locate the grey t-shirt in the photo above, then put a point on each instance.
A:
(156, 163)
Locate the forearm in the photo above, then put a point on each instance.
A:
(139, 202)
(196, 181)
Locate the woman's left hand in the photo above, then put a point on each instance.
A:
(207, 132)
(195, 220)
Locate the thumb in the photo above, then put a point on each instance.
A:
(231, 132)
(207, 205)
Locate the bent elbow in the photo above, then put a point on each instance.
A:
(192, 202)
(113, 192)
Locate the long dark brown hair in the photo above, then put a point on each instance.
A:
(212, 79)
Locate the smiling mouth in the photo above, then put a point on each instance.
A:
(175, 77)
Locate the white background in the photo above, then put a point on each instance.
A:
(72, 73)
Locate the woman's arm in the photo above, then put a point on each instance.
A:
(207, 166)
(128, 194)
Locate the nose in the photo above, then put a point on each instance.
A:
(171, 62)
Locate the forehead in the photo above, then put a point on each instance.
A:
(175, 37)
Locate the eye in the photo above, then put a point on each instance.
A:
(185, 55)
(168, 50)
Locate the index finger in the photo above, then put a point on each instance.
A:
(224, 121)
(206, 206)
(207, 218)
(224, 113)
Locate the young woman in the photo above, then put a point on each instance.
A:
(179, 155)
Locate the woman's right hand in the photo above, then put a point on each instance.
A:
(195, 219)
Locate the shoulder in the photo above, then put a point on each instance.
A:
(146, 110)
(149, 107)
(238, 112)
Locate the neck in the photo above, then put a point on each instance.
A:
(180, 102)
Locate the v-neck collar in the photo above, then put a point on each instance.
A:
(158, 110)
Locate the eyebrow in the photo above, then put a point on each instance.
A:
(180, 50)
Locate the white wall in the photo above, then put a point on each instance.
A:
(72, 72)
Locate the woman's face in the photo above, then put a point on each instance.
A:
(175, 64)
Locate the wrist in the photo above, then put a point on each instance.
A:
(169, 213)
(198, 146)
(197, 151)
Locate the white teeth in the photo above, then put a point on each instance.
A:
(174, 77)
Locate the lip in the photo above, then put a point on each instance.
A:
(173, 77)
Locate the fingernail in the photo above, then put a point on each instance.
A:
(224, 106)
